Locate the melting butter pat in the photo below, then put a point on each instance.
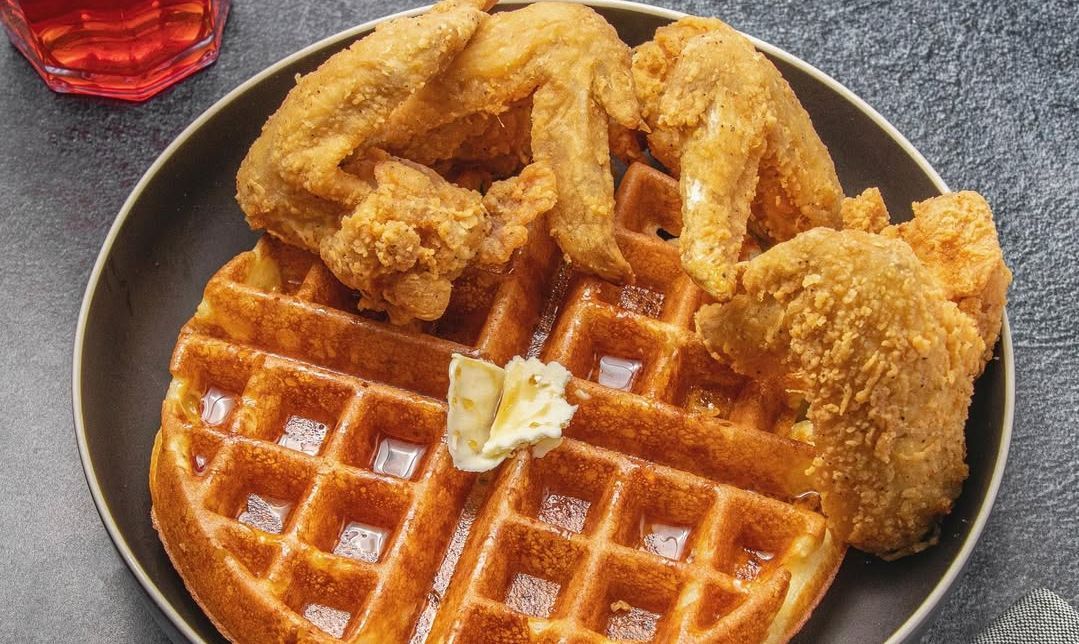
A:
(494, 412)
(533, 409)
(475, 389)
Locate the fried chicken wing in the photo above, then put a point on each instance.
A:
(345, 103)
(723, 115)
(415, 233)
(289, 213)
(954, 236)
(477, 139)
(291, 182)
(886, 363)
(577, 71)
(726, 121)
(395, 230)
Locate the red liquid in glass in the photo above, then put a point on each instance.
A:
(128, 49)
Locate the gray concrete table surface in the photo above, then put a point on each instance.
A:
(987, 91)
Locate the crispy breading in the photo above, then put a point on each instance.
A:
(724, 136)
(723, 118)
(291, 182)
(865, 212)
(344, 104)
(886, 362)
(474, 138)
(410, 238)
(513, 204)
(956, 239)
(577, 70)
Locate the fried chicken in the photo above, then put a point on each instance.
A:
(954, 236)
(513, 204)
(415, 233)
(541, 82)
(291, 182)
(577, 71)
(886, 362)
(865, 212)
(394, 230)
(726, 121)
(722, 114)
(344, 104)
(478, 139)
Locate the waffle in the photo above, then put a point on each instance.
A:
(302, 488)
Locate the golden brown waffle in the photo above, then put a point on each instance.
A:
(302, 488)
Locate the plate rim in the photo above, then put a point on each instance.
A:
(913, 623)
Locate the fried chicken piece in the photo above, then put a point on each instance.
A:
(513, 204)
(954, 236)
(406, 241)
(577, 71)
(415, 233)
(724, 119)
(722, 115)
(339, 107)
(474, 139)
(886, 363)
(395, 230)
(626, 144)
(289, 213)
(291, 181)
(865, 212)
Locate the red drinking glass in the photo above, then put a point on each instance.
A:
(127, 49)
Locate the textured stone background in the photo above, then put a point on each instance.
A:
(987, 91)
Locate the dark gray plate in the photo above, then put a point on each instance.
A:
(181, 223)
